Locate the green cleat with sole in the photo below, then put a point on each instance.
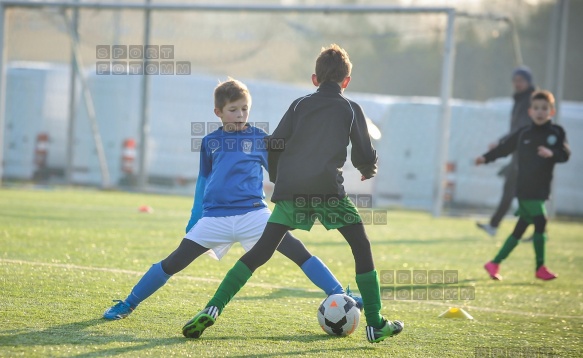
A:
(200, 322)
(390, 329)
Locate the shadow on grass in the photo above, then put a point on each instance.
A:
(356, 351)
(505, 282)
(283, 293)
(303, 338)
(306, 338)
(143, 344)
(75, 333)
(520, 283)
(393, 242)
(78, 334)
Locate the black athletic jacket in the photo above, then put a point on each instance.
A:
(315, 132)
(518, 120)
(534, 172)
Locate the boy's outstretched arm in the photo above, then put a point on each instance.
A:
(506, 147)
(203, 173)
(363, 156)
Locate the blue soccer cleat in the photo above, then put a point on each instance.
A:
(358, 299)
(118, 311)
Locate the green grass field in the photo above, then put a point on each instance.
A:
(65, 254)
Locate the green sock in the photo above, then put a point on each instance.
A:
(369, 287)
(506, 249)
(538, 241)
(232, 283)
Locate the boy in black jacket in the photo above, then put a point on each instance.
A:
(538, 147)
(315, 132)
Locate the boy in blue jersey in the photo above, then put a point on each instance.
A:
(315, 131)
(229, 204)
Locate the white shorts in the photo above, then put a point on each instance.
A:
(220, 233)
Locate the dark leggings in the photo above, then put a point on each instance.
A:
(540, 223)
(186, 252)
(189, 250)
(360, 246)
(508, 194)
(273, 234)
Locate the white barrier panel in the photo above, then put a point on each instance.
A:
(37, 101)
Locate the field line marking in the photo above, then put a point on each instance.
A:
(131, 272)
(270, 286)
(493, 310)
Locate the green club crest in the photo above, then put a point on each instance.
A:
(552, 139)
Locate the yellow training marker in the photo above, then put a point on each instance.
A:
(454, 312)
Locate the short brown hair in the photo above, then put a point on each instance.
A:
(333, 64)
(543, 95)
(229, 91)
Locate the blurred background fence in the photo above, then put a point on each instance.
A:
(49, 134)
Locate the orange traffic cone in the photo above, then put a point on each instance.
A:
(145, 209)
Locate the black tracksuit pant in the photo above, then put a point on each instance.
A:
(508, 194)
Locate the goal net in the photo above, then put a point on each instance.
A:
(396, 78)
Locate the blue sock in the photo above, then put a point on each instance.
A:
(148, 284)
(321, 276)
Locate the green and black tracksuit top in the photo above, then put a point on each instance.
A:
(311, 143)
(534, 172)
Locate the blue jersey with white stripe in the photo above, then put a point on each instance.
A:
(230, 180)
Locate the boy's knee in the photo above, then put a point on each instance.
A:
(540, 223)
(170, 265)
(519, 229)
(254, 260)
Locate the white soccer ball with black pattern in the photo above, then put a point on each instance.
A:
(338, 315)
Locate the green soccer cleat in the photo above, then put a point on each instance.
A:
(200, 322)
(390, 329)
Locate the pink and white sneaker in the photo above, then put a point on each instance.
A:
(544, 274)
(493, 269)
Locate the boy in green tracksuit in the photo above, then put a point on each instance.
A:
(307, 152)
(538, 147)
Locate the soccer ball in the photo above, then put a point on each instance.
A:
(338, 315)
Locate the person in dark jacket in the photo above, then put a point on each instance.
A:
(315, 132)
(538, 148)
(523, 89)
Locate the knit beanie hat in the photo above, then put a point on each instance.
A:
(524, 72)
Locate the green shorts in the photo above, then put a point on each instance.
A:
(333, 213)
(528, 209)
